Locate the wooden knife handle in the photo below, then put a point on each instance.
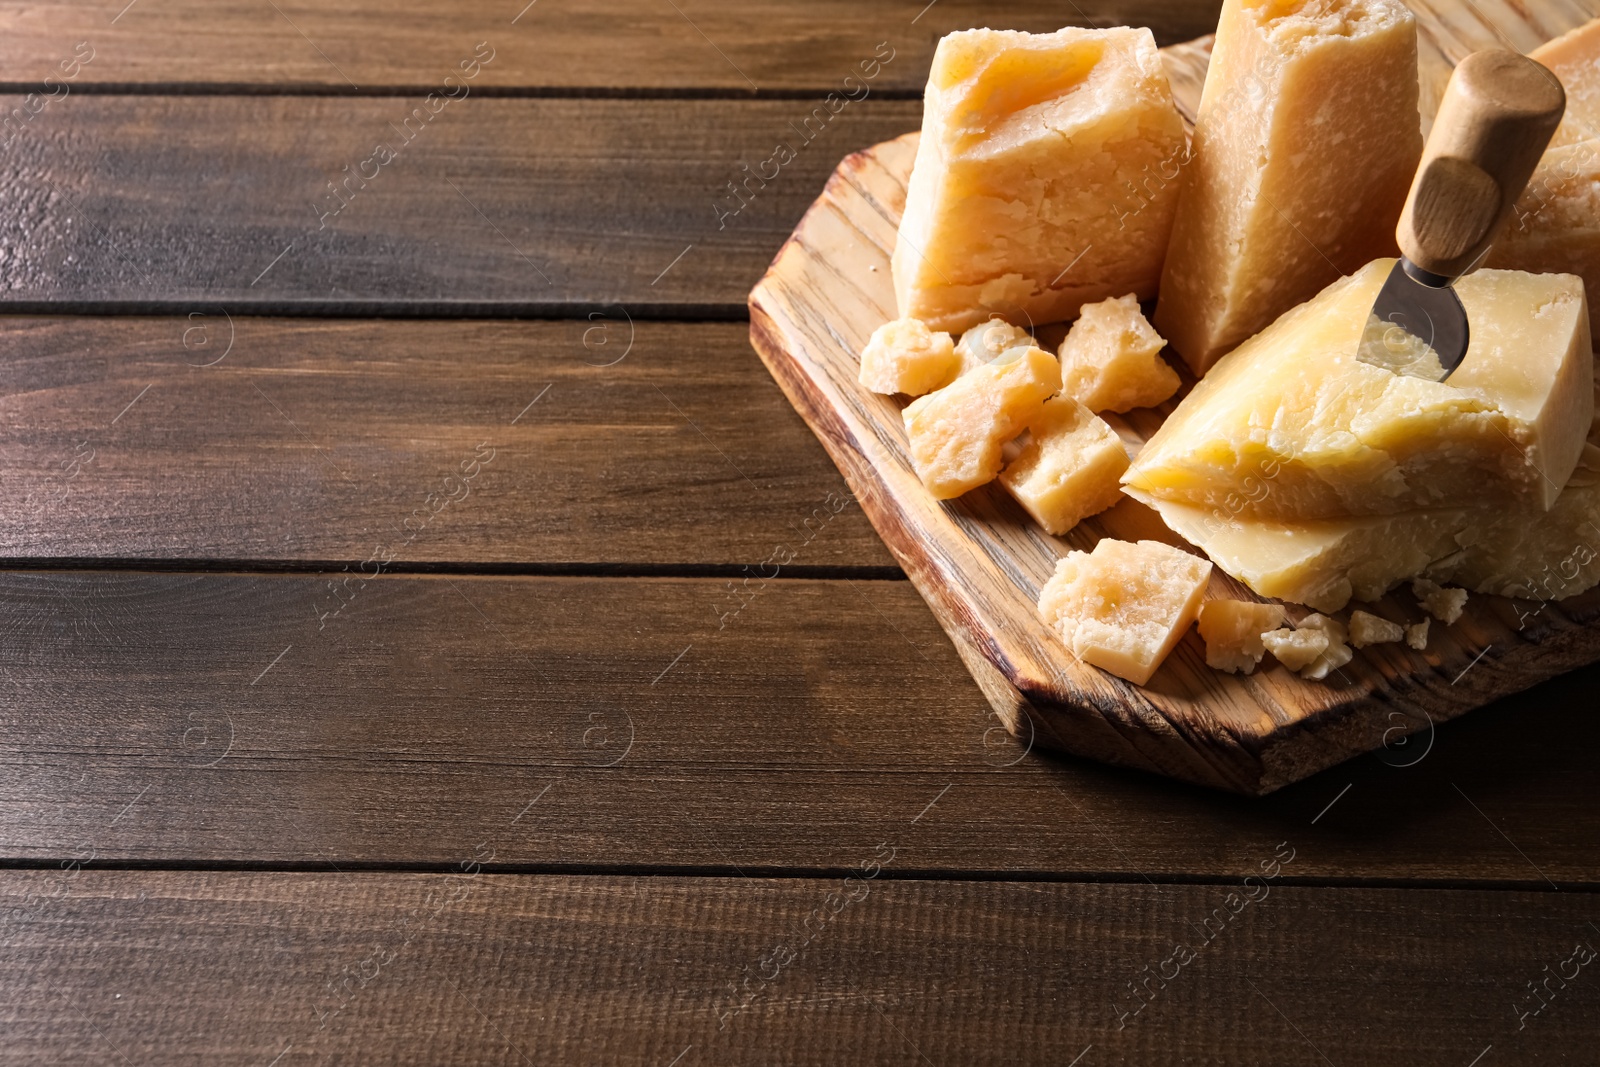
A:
(1498, 115)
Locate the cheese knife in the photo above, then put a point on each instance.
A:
(1498, 114)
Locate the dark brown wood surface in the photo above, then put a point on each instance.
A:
(214, 437)
(635, 46)
(657, 724)
(268, 795)
(139, 967)
(183, 203)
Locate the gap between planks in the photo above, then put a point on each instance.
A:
(788, 873)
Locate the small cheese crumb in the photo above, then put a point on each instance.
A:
(1443, 604)
(1315, 648)
(1070, 469)
(1232, 631)
(1296, 649)
(1335, 655)
(904, 356)
(1417, 635)
(1111, 359)
(986, 341)
(958, 434)
(1124, 606)
(1368, 629)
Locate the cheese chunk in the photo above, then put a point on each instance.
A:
(1306, 143)
(1296, 649)
(1369, 629)
(988, 341)
(1293, 426)
(1417, 635)
(1044, 178)
(1321, 563)
(1070, 469)
(904, 356)
(1575, 59)
(957, 434)
(1232, 631)
(1111, 359)
(1443, 604)
(1124, 606)
(1335, 655)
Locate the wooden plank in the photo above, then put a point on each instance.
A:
(981, 560)
(504, 206)
(218, 438)
(395, 968)
(611, 45)
(655, 724)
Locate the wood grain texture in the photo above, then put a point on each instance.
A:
(612, 45)
(980, 561)
(1449, 30)
(219, 438)
(426, 969)
(548, 207)
(653, 724)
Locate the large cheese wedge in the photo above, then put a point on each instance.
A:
(1322, 564)
(958, 434)
(1575, 59)
(1534, 557)
(1293, 426)
(1044, 179)
(1556, 224)
(1529, 555)
(1307, 139)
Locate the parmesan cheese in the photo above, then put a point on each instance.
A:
(1124, 606)
(1070, 469)
(987, 341)
(1417, 635)
(1111, 359)
(1307, 139)
(1369, 629)
(1528, 555)
(1296, 649)
(1322, 563)
(1232, 631)
(1292, 426)
(904, 356)
(958, 433)
(1336, 653)
(1315, 648)
(1574, 58)
(1044, 178)
(1443, 604)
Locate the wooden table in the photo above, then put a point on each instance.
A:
(396, 664)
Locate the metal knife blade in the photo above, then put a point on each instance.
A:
(1417, 326)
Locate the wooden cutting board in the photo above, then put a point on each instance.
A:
(979, 561)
